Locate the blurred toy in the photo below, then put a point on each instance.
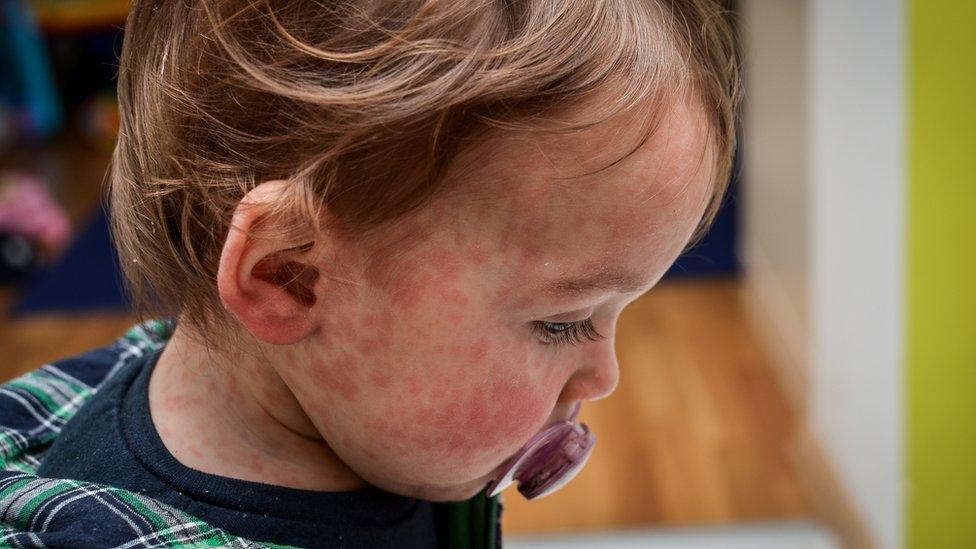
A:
(27, 210)
(17, 257)
(26, 83)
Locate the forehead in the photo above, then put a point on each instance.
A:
(543, 205)
(564, 195)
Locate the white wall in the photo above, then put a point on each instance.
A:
(823, 239)
(856, 181)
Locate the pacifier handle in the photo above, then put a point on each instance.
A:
(549, 461)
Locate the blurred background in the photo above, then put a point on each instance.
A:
(804, 377)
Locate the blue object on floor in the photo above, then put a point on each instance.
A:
(84, 280)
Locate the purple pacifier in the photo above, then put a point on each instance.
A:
(550, 460)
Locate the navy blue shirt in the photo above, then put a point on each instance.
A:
(112, 440)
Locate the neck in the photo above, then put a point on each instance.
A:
(236, 418)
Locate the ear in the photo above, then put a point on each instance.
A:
(266, 283)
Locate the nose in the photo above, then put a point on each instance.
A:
(596, 377)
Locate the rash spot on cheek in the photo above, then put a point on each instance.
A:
(414, 385)
(408, 294)
(377, 425)
(370, 321)
(447, 266)
(337, 375)
(482, 423)
(479, 423)
(479, 351)
(505, 294)
(365, 348)
(369, 346)
(433, 269)
(447, 416)
(477, 255)
(515, 408)
(380, 379)
(455, 297)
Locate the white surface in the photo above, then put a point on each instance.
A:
(824, 119)
(857, 182)
(767, 536)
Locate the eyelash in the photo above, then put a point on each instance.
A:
(572, 334)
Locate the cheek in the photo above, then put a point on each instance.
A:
(435, 274)
(482, 415)
(341, 363)
(508, 412)
(455, 416)
(421, 385)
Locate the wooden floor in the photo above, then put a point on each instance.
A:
(696, 434)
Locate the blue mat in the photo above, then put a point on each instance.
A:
(85, 279)
(715, 254)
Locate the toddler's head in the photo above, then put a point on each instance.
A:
(410, 226)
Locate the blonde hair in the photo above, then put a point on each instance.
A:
(360, 105)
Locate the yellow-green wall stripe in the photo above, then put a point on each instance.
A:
(940, 318)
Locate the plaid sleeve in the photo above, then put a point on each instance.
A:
(42, 512)
(46, 512)
(35, 406)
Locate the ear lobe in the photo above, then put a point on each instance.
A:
(267, 285)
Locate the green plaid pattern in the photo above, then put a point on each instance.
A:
(48, 512)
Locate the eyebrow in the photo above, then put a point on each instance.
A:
(604, 279)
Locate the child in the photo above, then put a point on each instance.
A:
(394, 239)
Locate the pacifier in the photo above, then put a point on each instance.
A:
(547, 462)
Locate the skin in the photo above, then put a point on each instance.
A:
(421, 367)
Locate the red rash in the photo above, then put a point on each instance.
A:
(477, 255)
(380, 379)
(337, 376)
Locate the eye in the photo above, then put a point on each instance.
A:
(559, 333)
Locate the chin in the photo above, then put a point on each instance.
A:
(458, 494)
(439, 494)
